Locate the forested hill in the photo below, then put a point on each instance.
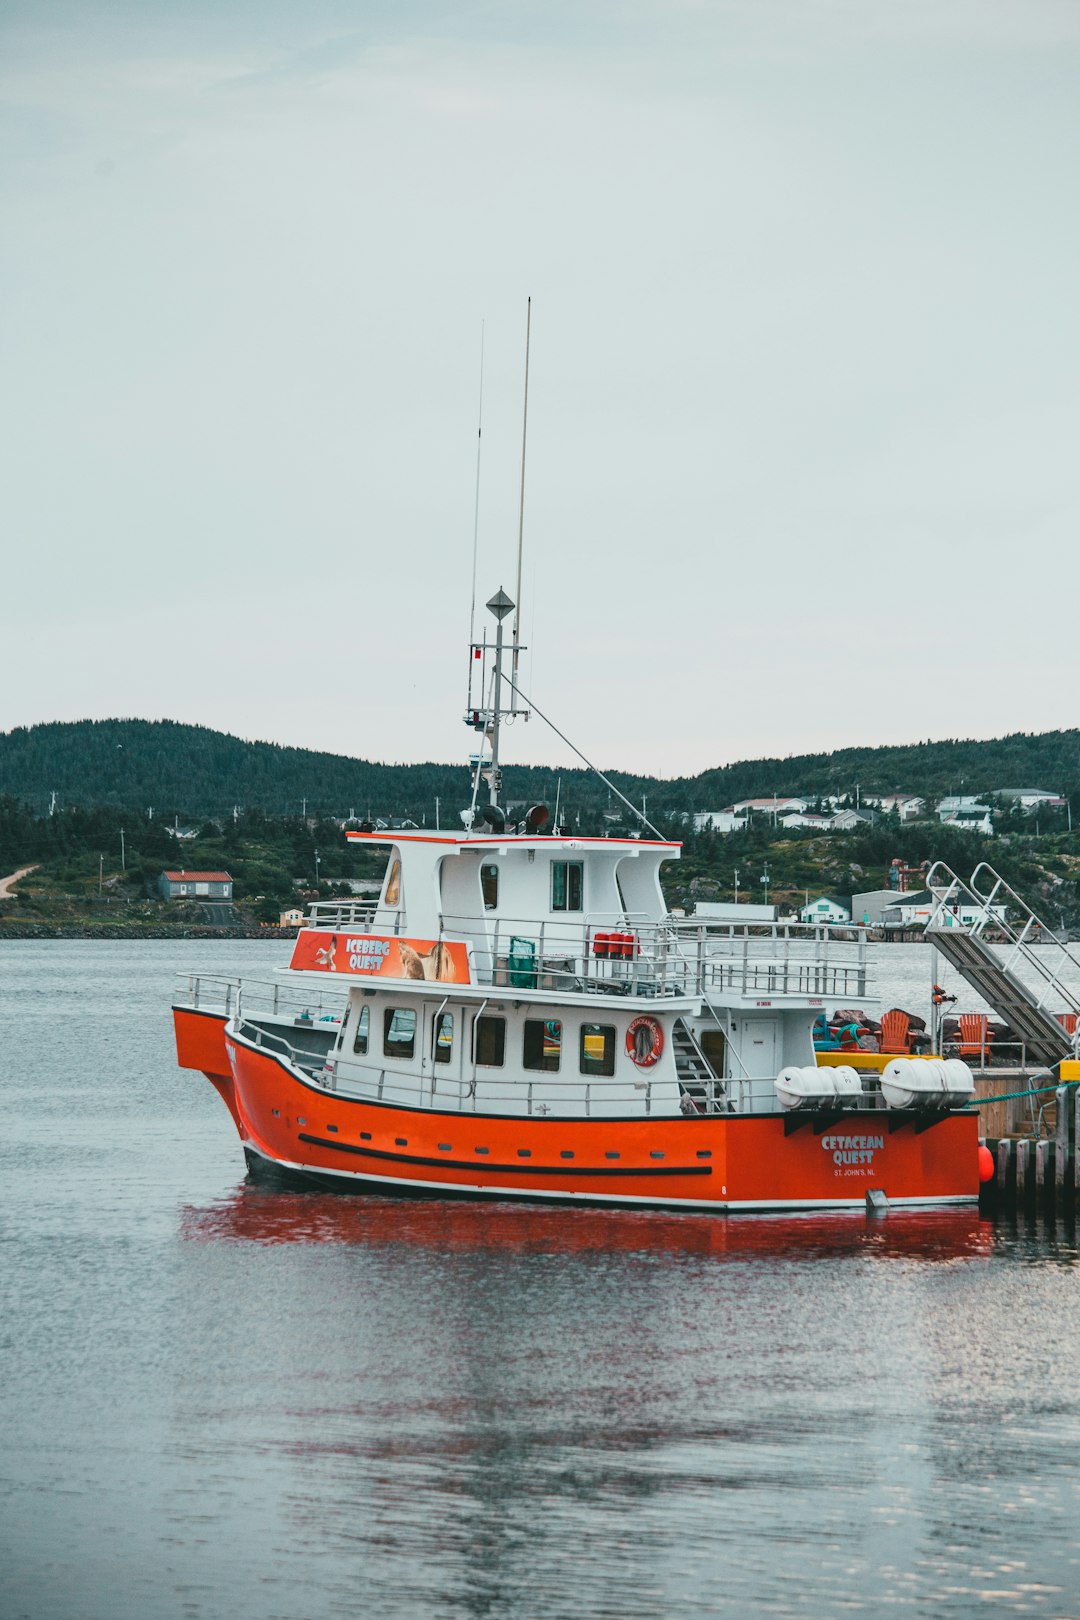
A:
(193, 771)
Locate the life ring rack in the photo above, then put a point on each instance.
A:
(644, 1041)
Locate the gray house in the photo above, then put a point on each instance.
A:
(195, 886)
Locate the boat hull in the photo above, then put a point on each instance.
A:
(701, 1162)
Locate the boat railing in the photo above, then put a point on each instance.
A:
(356, 914)
(272, 998)
(624, 954)
(312, 1062)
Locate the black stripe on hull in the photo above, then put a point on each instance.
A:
(270, 1174)
(518, 1168)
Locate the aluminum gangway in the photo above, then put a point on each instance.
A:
(1030, 1001)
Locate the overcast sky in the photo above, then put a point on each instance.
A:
(803, 438)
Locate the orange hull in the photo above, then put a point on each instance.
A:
(714, 1162)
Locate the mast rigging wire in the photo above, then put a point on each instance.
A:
(640, 814)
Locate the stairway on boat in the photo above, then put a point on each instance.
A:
(996, 977)
(697, 1077)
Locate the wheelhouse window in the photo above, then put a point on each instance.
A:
(489, 1041)
(360, 1034)
(443, 1040)
(566, 885)
(399, 1032)
(542, 1045)
(597, 1049)
(392, 896)
(489, 886)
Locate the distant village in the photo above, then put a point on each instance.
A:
(906, 903)
(832, 814)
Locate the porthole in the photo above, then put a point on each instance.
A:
(704, 1153)
(300, 1121)
(481, 1150)
(566, 1154)
(401, 1141)
(524, 1153)
(655, 1155)
(365, 1136)
(332, 1128)
(612, 1155)
(444, 1147)
(276, 1112)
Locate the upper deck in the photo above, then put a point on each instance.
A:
(619, 953)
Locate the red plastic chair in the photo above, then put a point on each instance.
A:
(894, 1031)
(1068, 1021)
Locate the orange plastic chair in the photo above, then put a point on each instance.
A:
(894, 1031)
(973, 1036)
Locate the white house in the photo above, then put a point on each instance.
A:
(828, 908)
(799, 818)
(968, 813)
(849, 820)
(718, 821)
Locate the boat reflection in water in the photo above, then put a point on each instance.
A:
(257, 1213)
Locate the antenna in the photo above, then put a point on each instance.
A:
(521, 501)
(476, 506)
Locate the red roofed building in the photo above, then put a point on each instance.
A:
(195, 886)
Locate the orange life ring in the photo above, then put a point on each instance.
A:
(644, 1041)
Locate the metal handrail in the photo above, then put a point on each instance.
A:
(996, 893)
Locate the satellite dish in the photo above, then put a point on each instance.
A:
(537, 818)
(493, 816)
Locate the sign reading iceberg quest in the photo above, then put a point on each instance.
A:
(379, 956)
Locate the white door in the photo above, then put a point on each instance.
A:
(760, 1047)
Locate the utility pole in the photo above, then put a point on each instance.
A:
(436, 812)
(100, 873)
(736, 885)
(765, 880)
(316, 869)
(123, 856)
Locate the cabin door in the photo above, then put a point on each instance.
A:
(761, 1047)
(444, 1034)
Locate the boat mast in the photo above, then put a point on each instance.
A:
(500, 605)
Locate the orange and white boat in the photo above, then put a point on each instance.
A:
(518, 1016)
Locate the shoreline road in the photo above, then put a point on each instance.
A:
(8, 883)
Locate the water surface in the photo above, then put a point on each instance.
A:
(223, 1399)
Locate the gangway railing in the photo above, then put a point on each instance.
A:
(989, 902)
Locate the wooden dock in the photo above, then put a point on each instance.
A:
(1038, 1174)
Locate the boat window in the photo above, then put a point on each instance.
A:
(443, 1049)
(360, 1035)
(392, 896)
(597, 1049)
(542, 1047)
(489, 1041)
(489, 887)
(566, 885)
(399, 1032)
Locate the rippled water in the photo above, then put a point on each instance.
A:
(224, 1400)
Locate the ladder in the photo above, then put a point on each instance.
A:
(997, 979)
(697, 1077)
